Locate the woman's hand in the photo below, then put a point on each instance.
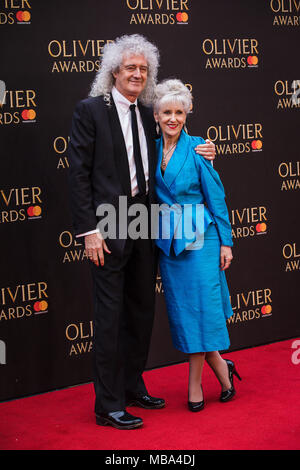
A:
(225, 257)
(207, 150)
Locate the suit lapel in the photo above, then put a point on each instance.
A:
(120, 152)
(177, 160)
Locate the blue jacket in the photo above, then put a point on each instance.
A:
(193, 189)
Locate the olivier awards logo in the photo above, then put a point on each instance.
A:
(23, 301)
(60, 145)
(18, 107)
(73, 249)
(286, 12)
(250, 305)
(236, 53)
(290, 173)
(287, 94)
(291, 257)
(248, 222)
(236, 139)
(80, 337)
(20, 204)
(76, 55)
(158, 12)
(15, 12)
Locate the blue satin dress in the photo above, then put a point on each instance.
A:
(195, 289)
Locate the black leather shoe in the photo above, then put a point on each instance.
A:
(119, 420)
(196, 405)
(228, 394)
(147, 402)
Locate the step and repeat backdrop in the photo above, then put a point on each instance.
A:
(240, 59)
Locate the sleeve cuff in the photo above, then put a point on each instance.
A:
(87, 233)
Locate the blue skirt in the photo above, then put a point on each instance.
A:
(197, 297)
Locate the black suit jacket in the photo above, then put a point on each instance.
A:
(99, 170)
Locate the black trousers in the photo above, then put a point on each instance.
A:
(124, 295)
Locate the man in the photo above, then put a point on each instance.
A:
(112, 153)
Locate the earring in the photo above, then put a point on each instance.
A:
(157, 128)
(185, 129)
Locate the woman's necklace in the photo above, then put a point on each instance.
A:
(164, 157)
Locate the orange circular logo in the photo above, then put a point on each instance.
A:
(256, 144)
(37, 211)
(28, 114)
(43, 305)
(261, 227)
(40, 306)
(34, 211)
(31, 114)
(252, 60)
(266, 309)
(23, 16)
(182, 17)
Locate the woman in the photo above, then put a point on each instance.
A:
(192, 269)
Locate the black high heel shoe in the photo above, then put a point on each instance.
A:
(228, 394)
(196, 405)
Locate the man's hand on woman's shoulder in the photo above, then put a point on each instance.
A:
(207, 150)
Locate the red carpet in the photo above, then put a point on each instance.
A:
(264, 415)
